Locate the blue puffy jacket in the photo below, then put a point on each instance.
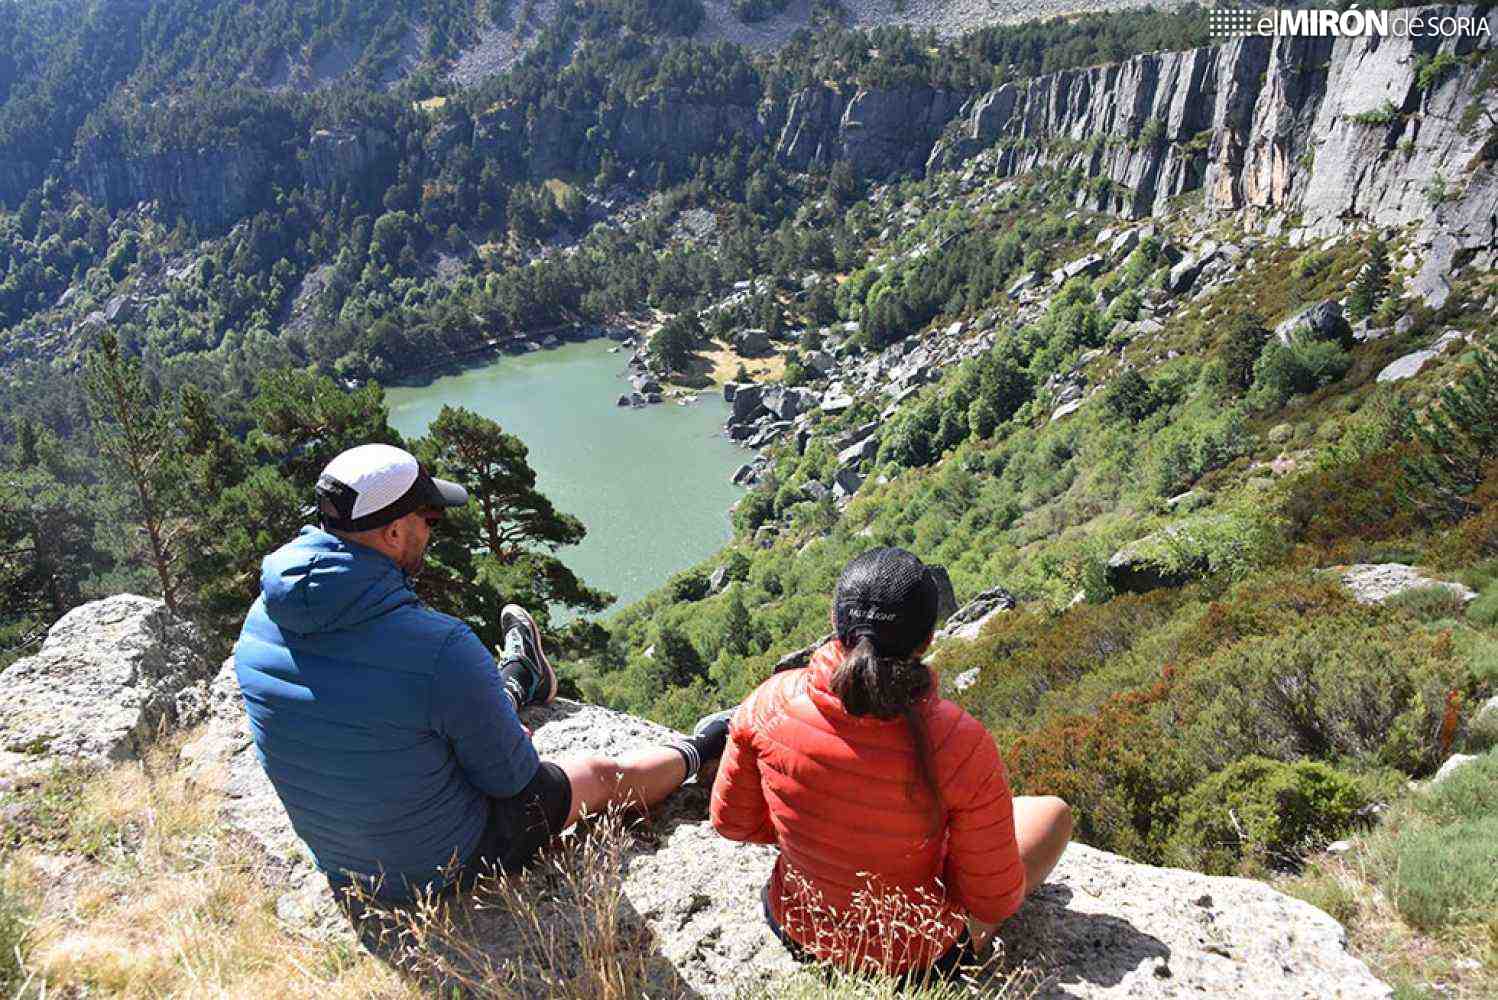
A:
(381, 723)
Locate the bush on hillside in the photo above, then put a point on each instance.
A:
(1468, 794)
(1207, 438)
(1120, 770)
(1446, 874)
(690, 585)
(1128, 397)
(1260, 812)
(1305, 365)
(1240, 348)
(1360, 685)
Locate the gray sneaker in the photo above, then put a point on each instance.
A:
(528, 674)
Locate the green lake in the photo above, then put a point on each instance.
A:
(650, 483)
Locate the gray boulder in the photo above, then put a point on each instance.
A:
(784, 403)
(1375, 583)
(1406, 367)
(1482, 731)
(946, 597)
(820, 361)
(1183, 275)
(746, 403)
(846, 483)
(968, 621)
(1088, 265)
(1023, 284)
(751, 343)
(1453, 764)
(1124, 243)
(109, 677)
(1101, 926)
(858, 451)
(1324, 320)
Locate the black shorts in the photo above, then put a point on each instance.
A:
(521, 825)
(515, 832)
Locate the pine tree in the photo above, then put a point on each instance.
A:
(738, 629)
(141, 457)
(1372, 284)
(48, 547)
(499, 548)
(1458, 441)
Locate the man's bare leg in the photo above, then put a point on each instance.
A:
(635, 781)
(1042, 826)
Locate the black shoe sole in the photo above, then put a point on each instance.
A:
(512, 615)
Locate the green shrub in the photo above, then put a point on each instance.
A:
(1484, 610)
(13, 924)
(1240, 348)
(690, 585)
(1304, 366)
(1263, 812)
(1361, 684)
(1428, 604)
(1384, 114)
(1128, 397)
(1447, 873)
(1469, 794)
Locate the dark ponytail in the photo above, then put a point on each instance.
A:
(889, 687)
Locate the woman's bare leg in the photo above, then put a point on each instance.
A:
(638, 780)
(1042, 826)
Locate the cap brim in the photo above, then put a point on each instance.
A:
(448, 494)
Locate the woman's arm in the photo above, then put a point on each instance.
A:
(738, 809)
(983, 872)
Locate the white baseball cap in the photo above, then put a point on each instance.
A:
(374, 484)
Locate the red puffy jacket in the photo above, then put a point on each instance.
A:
(866, 878)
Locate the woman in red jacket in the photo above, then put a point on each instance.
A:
(901, 846)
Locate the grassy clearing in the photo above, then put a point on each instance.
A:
(723, 365)
(1419, 893)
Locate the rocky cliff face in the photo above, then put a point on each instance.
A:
(1336, 131)
(215, 186)
(879, 132)
(1102, 926)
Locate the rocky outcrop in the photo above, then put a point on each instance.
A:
(637, 132)
(1375, 583)
(968, 621)
(1102, 926)
(110, 675)
(879, 132)
(347, 156)
(1338, 131)
(213, 186)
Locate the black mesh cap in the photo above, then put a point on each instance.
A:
(888, 595)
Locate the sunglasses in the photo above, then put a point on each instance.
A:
(431, 517)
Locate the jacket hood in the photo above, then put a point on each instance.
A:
(317, 582)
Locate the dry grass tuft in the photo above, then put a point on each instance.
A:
(560, 929)
(127, 885)
(147, 897)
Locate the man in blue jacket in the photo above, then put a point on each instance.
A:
(389, 732)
